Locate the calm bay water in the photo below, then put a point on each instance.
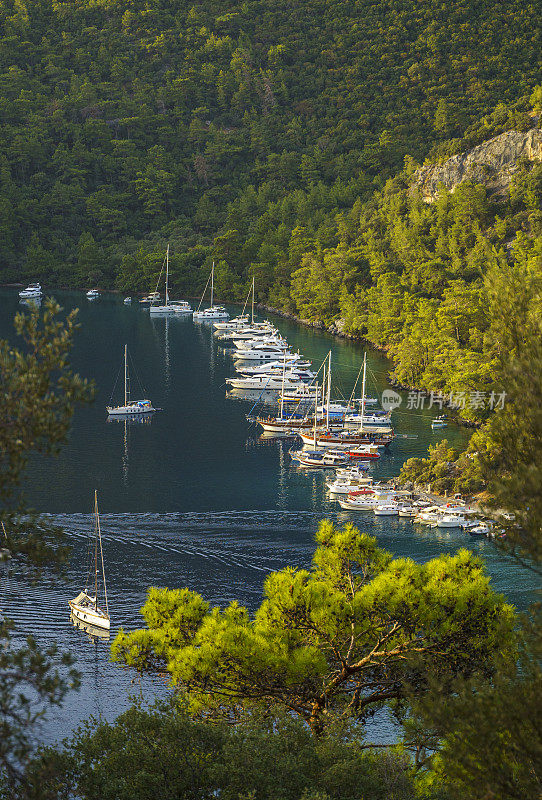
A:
(195, 497)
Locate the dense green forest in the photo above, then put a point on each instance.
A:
(224, 127)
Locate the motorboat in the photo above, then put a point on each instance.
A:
(408, 512)
(263, 354)
(482, 529)
(358, 503)
(214, 312)
(236, 324)
(346, 486)
(269, 382)
(153, 297)
(272, 366)
(288, 369)
(449, 521)
(428, 515)
(180, 307)
(386, 510)
(130, 407)
(439, 422)
(33, 290)
(85, 606)
(93, 294)
(468, 524)
(127, 301)
(318, 458)
(210, 314)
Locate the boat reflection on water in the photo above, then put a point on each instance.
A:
(132, 419)
(252, 395)
(93, 631)
(30, 301)
(287, 434)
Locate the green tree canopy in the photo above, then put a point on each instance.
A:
(340, 639)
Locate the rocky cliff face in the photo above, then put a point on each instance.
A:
(492, 163)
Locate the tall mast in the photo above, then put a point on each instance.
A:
(125, 375)
(315, 416)
(282, 391)
(102, 558)
(96, 550)
(328, 390)
(167, 274)
(363, 392)
(212, 282)
(252, 321)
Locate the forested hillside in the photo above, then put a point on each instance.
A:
(223, 128)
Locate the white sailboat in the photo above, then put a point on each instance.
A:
(213, 312)
(85, 606)
(130, 407)
(166, 308)
(237, 323)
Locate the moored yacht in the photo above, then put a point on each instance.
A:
(213, 312)
(32, 290)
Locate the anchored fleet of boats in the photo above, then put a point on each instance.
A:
(293, 400)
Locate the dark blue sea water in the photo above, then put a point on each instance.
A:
(195, 497)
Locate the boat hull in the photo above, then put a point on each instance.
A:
(90, 616)
(130, 411)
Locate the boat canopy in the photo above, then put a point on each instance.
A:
(84, 599)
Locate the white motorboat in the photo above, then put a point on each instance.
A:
(213, 312)
(318, 458)
(263, 354)
(163, 309)
(235, 325)
(386, 510)
(180, 307)
(239, 323)
(408, 512)
(359, 503)
(153, 297)
(449, 521)
(130, 407)
(261, 343)
(354, 471)
(439, 422)
(428, 515)
(264, 370)
(346, 486)
(272, 366)
(482, 529)
(93, 294)
(471, 523)
(289, 381)
(127, 301)
(85, 606)
(32, 290)
(247, 331)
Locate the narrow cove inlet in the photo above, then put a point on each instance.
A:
(194, 495)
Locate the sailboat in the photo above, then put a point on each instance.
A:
(130, 407)
(166, 308)
(239, 323)
(213, 312)
(85, 606)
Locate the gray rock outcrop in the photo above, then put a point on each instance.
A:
(492, 163)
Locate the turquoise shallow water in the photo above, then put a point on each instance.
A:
(194, 498)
